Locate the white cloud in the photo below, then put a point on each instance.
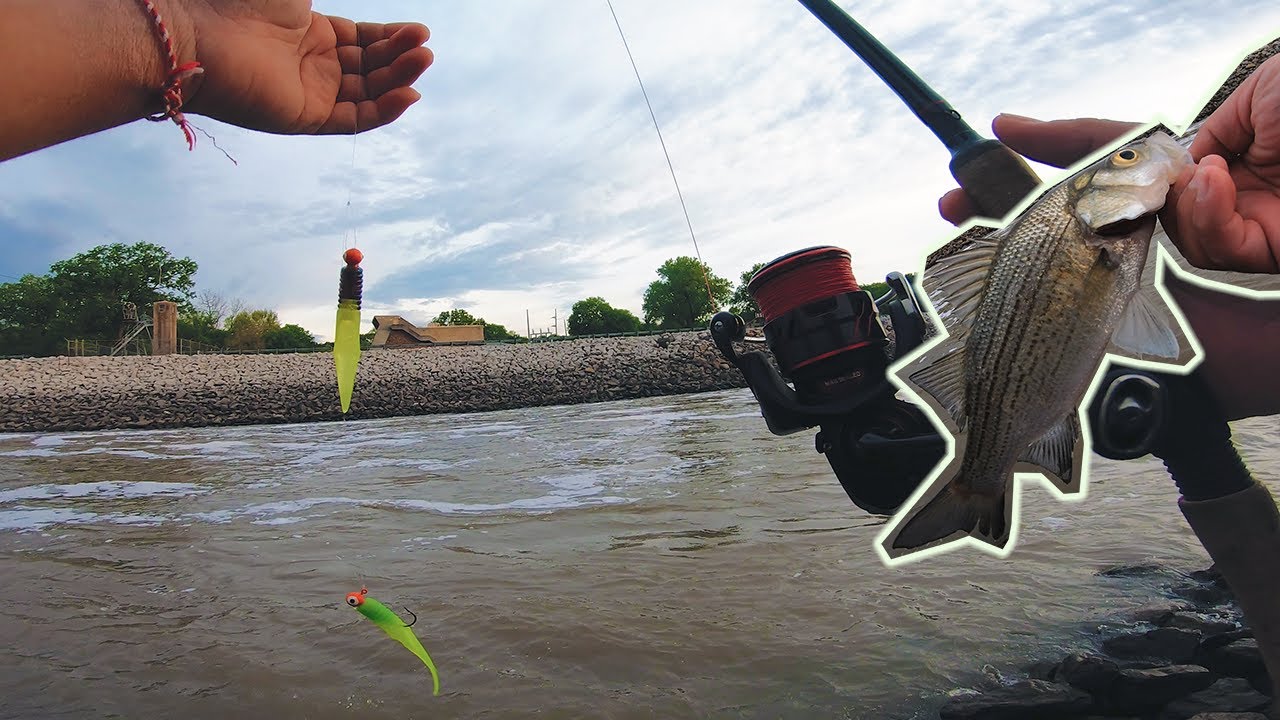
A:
(530, 176)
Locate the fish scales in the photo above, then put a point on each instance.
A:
(1026, 372)
(1030, 312)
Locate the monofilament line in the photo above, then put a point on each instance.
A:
(665, 154)
(355, 130)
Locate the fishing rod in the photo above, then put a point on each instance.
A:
(994, 177)
(832, 350)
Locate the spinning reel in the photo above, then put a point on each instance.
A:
(826, 335)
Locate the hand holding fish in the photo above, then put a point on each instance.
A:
(1030, 310)
(268, 65)
(1224, 213)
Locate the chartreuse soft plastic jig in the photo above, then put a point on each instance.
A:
(346, 336)
(391, 624)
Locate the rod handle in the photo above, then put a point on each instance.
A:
(994, 177)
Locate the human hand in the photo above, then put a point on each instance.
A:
(276, 66)
(1224, 212)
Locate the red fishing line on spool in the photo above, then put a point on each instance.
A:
(796, 280)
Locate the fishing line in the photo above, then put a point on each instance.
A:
(800, 279)
(705, 279)
(349, 234)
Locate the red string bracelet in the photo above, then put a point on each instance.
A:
(171, 91)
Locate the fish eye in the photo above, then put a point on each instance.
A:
(1125, 158)
(353, 600)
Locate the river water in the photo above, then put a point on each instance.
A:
(660, 558)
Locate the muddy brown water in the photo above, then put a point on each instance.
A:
(659, 558)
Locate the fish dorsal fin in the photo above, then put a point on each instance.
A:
(1148, 329)
(1058, 454)
(954, 284)
(940, 374)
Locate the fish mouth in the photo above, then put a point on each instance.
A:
(1121, 228)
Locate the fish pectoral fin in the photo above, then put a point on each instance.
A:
(1147, 330)
(1059, 454)
(954, 284)
(940, 374)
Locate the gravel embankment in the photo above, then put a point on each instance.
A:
(95, 393)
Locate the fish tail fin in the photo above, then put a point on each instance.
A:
(980, 516)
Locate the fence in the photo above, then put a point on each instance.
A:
(81, 347)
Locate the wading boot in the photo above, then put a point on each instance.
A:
(1241, 532)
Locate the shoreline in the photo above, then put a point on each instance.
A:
(61, 394)
(1190, 657)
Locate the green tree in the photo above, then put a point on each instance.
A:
(289, 337)
(93, 286)
(29, 322)
(741, 303)
(457, 317)
(493, 332)
(594, 316)
(84, 296)
(249, 329)
(679, 299)
(202, 326)
(877, 289)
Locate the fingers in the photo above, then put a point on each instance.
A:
(348, 117)
(1057, 142)
(1207, 226)
(365, 34)
(1228, 131)
(360, 59)
(956, 207)
(402, 72)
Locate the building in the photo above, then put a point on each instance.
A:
(393, 331)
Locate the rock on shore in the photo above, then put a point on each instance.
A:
(96, 393)
(1193, 658)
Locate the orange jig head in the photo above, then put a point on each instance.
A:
(356, 599)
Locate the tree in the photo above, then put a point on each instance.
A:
(877, 289)
(457, 317)
(217, 306)
(29, 323)
(249, 329)
(679, 299)
(594, 316)
(202, 326)
(93, 286)
(741, 303)
(289, 337)
(493, 332)
(84, 296)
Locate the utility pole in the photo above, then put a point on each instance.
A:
(528, 329)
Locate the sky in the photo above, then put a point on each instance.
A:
(530, 175)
